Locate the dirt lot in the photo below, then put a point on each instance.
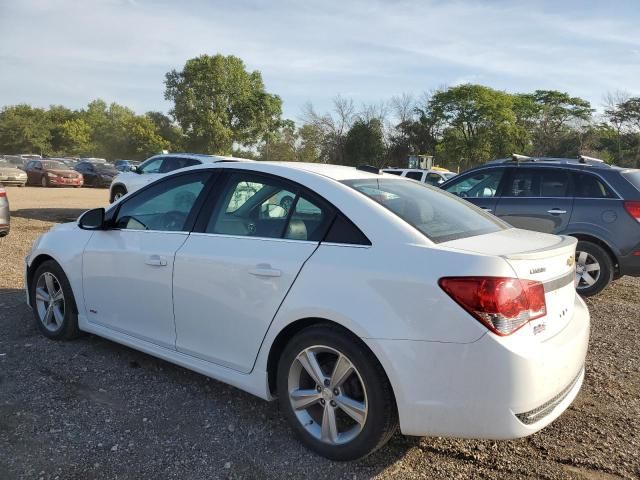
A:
(94, 409)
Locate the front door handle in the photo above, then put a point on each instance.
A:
(156, 261)
(486, 209)
(556, 211)
(264, 270)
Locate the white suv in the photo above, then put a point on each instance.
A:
(432, 177)
(156, 167)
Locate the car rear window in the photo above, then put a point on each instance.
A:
(440, 216)
(633, 177)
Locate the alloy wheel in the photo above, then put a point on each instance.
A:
(587, 270)
(50, 302)
(327, 395)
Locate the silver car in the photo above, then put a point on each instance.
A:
(10, 174)
(5, 218)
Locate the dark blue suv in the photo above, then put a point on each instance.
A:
(597, 203)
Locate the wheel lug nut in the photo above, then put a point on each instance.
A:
(322, 402)
(319, 388)
(333, 403)
(336, 392)
(326, 382)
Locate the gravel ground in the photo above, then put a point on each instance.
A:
(94, 409)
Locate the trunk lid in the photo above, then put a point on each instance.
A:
(549, 259)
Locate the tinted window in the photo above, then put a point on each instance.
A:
(434, 179)
(633, 176)
(477, 185)
(590, 186)
(414, 175)
(174, 163)
(530, 182)
(393, 172)
(344, 231)
(164, 206)
(49, 165)
(437, 215)
(261, 206)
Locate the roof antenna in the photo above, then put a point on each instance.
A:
(519, 158)
(368, 168)
(585, 159)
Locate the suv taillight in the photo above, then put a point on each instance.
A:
(3, 192)
(633, 209)
(501, 304)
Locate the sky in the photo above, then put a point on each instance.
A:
(70, 52)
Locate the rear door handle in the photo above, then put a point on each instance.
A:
(486, 209)
(265, 270)
(556, 211)
(156, 261)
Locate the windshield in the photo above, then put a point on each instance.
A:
(5, 164)
(49, 165)
(438, 215)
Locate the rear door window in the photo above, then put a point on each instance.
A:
(537, 182)
(633, 177)
(438, 216)
(414, 175)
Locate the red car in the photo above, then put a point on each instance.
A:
(52, 173)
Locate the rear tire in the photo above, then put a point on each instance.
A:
(594, 268)
(53, 304)
(366, 389)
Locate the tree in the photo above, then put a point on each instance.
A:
(554, 116)
(364, 143)
(333, 128)
(74, 138)
(168, 130)
(24, 129)
(218, 103)
(281, 145)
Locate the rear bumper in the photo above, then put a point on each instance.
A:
(492, 388)
(630, 264)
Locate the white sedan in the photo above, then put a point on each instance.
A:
(391, 303)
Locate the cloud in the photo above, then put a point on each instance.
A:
(69, 51)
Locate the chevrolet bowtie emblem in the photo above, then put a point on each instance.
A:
(571, 261)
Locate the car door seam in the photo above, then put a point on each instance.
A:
(280, 306)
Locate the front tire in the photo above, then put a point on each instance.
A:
(594, 268)
(117, 193)
(52, 302)
(44, 181)
(335, 394)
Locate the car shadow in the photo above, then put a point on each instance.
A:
(49, 214)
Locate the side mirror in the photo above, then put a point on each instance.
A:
(134, 169)
(92, 219)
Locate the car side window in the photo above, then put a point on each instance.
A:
(152, 166)
(586, 185)
(414, 175)
(164, 206)
(434, 179)
(261, 206)
(537, 182)
(477, 185)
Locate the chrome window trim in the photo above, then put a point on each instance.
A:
(251, 237)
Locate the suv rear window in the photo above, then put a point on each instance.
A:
(633, 176)
(440, 216)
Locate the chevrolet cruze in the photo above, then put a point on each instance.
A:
(370, 302)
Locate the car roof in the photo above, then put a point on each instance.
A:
(327, 170)
(204, 158)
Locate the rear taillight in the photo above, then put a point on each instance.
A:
(502, 304)
(633, 209)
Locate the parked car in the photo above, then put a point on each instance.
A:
(125, 165)
(15, 160)
(96, 174)
(93, 160)
(5, 214)
(585, 198)
(52, 173)
(393, 302)
(156, 167)
(30, 156)
(436, 176)
(11, 175)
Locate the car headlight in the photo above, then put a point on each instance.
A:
(51, 175)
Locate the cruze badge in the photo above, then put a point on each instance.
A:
(539, 328)
(537, 270)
